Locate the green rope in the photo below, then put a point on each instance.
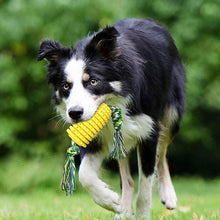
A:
(68, 183)
(119, 151)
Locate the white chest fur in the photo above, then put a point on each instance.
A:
(134, 128)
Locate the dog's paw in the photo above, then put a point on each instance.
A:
(119, 216)
(109, 200)
(168, 196)
(123, 216)
(113, 202)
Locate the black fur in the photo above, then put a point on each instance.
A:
(147, 151)
(57, 55)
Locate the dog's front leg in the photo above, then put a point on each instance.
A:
(127, 185)
(146, 165)
(100, 192)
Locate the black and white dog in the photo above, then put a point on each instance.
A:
(133, 65)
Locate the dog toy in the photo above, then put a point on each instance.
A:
(83, 133)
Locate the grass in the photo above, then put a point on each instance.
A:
(30, 190)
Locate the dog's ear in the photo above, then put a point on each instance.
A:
(104, 43)
(51, 50)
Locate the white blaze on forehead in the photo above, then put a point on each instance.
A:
(74, 70)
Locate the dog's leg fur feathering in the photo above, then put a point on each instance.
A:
(89, 178)
(127, 188)
(146, 166)
(166, 190)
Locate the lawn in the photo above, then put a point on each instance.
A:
(31, 191)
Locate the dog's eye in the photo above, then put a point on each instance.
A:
(93, 82)
(66, 86)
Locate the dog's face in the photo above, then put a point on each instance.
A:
(85, 76)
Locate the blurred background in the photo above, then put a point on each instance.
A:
(33, 138)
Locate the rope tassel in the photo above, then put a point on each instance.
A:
(119, 151)
(68, 182)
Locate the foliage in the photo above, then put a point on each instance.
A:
(26, 123)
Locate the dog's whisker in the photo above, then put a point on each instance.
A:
(62, 121)
(65, 122)
(59, 122)
(54, 117)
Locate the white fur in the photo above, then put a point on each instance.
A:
(100, 192)
(79, 96)
(134, 127)
(127, 189)
(165, 187)
(170, 116)
(144, 195)
(116, 85)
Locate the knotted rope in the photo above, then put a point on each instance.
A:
(68, 182)
(119, 151)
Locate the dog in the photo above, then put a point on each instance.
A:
(134, 65)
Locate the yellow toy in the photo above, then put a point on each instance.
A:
(83, 133)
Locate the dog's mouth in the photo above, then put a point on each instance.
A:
(77, 121)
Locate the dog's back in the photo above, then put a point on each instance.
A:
(161, 75)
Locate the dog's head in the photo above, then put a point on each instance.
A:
(85, 76)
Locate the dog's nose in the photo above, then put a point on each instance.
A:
(75, 112)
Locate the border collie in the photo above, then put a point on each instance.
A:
(133, 65)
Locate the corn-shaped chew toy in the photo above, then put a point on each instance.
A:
(83, 133)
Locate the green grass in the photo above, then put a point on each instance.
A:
(30, 190)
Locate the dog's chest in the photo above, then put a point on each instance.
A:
(134, 129)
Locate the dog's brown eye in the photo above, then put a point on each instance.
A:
(66, 86)
(93, 82)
